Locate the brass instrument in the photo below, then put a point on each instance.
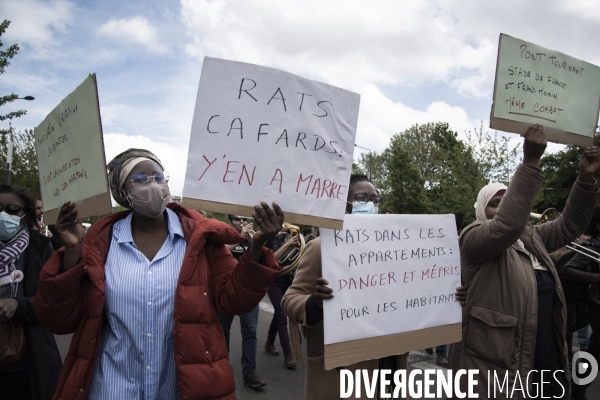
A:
(290, 258)
(549, 215)
(582, 250)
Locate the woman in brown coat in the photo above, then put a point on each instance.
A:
(303, 304)
(514, 317)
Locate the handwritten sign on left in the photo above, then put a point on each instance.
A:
(70, 154)
(394, 279)
(538, 85)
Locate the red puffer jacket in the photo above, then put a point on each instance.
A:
(210, 280)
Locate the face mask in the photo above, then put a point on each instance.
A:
(149, 201)
(369, 208)
(9, 225)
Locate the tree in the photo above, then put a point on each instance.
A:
(439, 171)
(496, 157)
(5, 56)
(405, 193)
(24, 163)
(560, 170)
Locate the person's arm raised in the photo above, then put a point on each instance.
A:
(579, 206)
(71, 233)
(489, 239)
(269, 223)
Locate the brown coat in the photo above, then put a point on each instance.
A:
(319, 384)
(500, 315)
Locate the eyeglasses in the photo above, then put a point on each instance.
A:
(364, 198)
(11, 209)
(160, 178)
(238, 218)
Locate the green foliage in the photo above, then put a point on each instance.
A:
(24, 163)
(5, 56)
(560, 170)
(405, 193)
(496, 158)
(218, 216)
(428, 169)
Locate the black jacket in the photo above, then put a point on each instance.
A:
(585, 272)
(43, 358)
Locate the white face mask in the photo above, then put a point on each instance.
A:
(368, 208)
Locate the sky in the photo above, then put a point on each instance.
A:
(412, 61)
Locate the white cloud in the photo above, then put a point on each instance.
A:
(173, 157)
(136, 30)
(35, 22)
(380, 118)
(349, 42)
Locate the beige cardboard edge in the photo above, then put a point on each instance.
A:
(553, 135)
(92, 206)
(99, 204)
(290, 217)
(348, 353)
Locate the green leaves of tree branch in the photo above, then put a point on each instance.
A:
(428, 169)
(5, 56)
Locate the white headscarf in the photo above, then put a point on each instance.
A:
(485, 195)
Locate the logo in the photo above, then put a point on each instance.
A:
(585, 368)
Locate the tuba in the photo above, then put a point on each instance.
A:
(290, 258)
(549, 215)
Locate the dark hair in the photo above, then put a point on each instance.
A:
(307, 230)
(26, 198)
(356, 178)
(387, 211)
(592, 229)
(230, 216)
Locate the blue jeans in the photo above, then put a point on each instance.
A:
(248, 323)
(441, 351)
(584, 337)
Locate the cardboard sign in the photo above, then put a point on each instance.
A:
(261, 134)
(394, 279)
(70, 154)
(535, 85)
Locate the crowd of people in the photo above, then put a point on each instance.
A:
(150, 293)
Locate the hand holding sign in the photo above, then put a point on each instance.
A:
(534, 145)
(269, 222)
(322, 292)
(71, 233)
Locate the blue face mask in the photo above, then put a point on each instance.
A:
(368, 208)
(9, 225)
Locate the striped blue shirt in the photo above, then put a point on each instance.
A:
(136, 357)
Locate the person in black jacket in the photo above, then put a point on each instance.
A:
(23, 252)
(584, 271)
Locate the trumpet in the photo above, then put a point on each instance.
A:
(549, 215)
(290, 259)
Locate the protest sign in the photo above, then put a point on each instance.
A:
(393, 279)
(535, 85)
(261, 134)
(70, 154)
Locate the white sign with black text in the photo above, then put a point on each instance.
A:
(390, 274)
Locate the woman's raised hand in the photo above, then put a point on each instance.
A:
(71, 232)
(69, 229)
(534, 145)
(269, 222)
